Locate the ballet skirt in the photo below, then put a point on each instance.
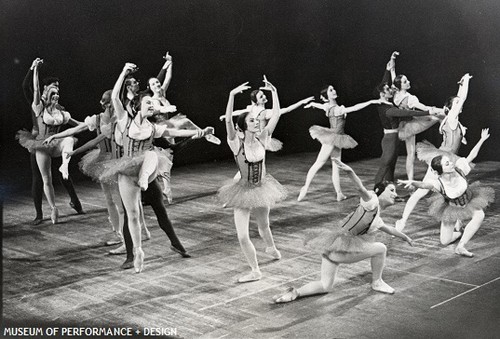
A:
(416, 125)
(473, 197)
(274, 145)
(353, 232)
(426, 151)
(333, 136)
(255, 188)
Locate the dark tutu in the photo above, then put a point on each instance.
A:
(242, 194)
(32, 144)
(274, 145)
(427, 151)
(92, 163)
(415, 126)
(132, 165)
(481, 197)
(326, 136)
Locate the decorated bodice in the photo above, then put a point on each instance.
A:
(405, 100)
(250, 159)
(336, 118)
(116, 142)
(452, 138)
(365, 218)
(49, 123)
(456, 192)
(138, 138)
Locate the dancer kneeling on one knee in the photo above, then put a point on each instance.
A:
(457, 200)
(353, 241)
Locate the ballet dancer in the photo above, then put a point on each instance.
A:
(353, 241)
(256, 191)
(453, 136)
(332, 139)
(457, 200)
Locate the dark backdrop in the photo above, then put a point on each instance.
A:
(216, 45)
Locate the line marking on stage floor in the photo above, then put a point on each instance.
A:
(461, 294)
(431, 277)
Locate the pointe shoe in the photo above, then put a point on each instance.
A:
(54, 215)
(77, 207)
(381, 286)
(460, 250)
(213, 139)
(252, 276)
(143, 182)
(273, 252)
(119, 250)
(64, 171)
(138, 260)
(127, 264)
(290, 295)
(36, 221)
(148, 234)
(184, 253)
(341, 197)
(302, 194)
(115, 240)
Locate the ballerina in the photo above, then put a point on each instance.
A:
(256, 191)
(457, 200)
(332, 139)
(453, 136)
(353, 241)
(49, 117)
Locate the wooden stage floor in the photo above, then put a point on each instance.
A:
(61, 275)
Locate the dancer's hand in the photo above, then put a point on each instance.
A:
(168, 109)
(306, 100)
(240, 89)
(392, 62)
(268, 86)
(342, 166)
(130, 68)
(222, 118)
(204, 132)
(48, 140)
(485, 134)
(406, 183)
(309, 105)
(36, 63)
(466, 76)
(168, 60)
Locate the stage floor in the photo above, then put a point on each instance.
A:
(61, 275)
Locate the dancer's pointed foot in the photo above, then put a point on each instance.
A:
(302, 194)
(252, 276)
(77, 206)
(115, 239)
(148, 234)
(138, 259)
(183, 253)
(127, 264)
(341, 196)
(119, 250)
(213, 139)
(64, 171)
(36, 221)
(460, 250)
(54, 215)
(381, 286)
(290, 295)
(273, 252)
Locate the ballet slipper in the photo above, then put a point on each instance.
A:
(184, 253)
(252, 276)
(127, 264)
(460, 250)
(77, 207)
(273, 252)
(138, 259)
(381, 286)
(64, 171)
(341, 196)
(115, 240)
(36, 221)
(213, 139)
(290, 295)
(302, 194)
(54, 215)
(119, 250)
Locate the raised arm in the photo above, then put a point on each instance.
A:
(391, 67)
(358, 185)
(167, 66)
(36, 84)
(485, 134)
(27, 90)
(231, 132)
(457, 105)
(273, 121)
(115, 94)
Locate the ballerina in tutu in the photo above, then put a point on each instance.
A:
(259, 100)
(332, 139)
(453, 136)
(457, 199)
(353, 241)
(409, 129)
(50, 117)
(256, 191)
(136, 168)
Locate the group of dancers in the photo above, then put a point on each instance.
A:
(138, 132)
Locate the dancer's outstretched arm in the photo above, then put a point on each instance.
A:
(358, 107)
(358, 185)
(393, 231)
(296, 105)
(485, 134)
(231, 132)
(463, 91)
(115, 94)
(323, 106)
(168, 77)
(36, 84)
(417, 184)
(276, 112)
(81, 127)
(235, 113)
(88, 145)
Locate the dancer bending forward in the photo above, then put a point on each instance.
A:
(256, 191)
(457, 200)
(353, 242)
(332, 139)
